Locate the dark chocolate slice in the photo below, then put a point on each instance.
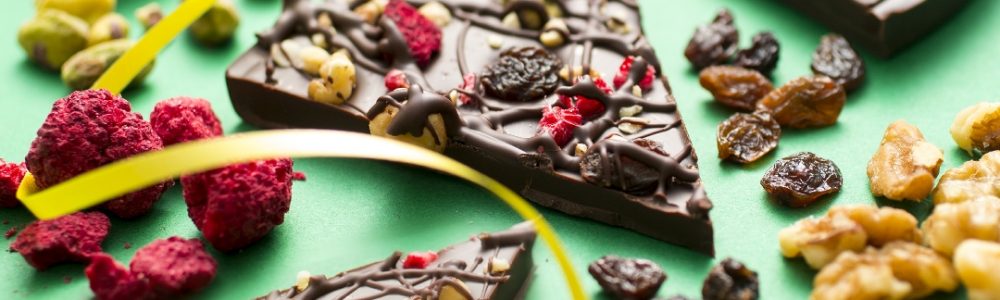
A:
(496, 136)
(883, 26)
(487, 266)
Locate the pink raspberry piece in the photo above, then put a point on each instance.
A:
(623, 72)
(175, 265)
(71, 238)
(184, 119)
(11, 175)
(419, 260)
(110, 280)
(559, 123)
(421, 35)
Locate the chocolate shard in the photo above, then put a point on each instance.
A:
(882, 26)
(628, 118)
(487, 266)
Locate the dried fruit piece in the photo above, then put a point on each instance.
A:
(646, 83)
(184, 119)
(71, 238)
(11, 175)
(421, 35)
(588, 108)
(858, 276)
(745, 138)
(468, 85)
(730, 280)
(602, 167)
(419, 260)
(905, 164)
(976, 129)
(628, 278)
(522, 74)
(713, 43)
(925, 270)
(820, 240)
(396, 79)
(52, 37)
(762, 54)
(217, 25)
(735, 87)
(835, 58)
(805, 102)
(971, 180)
(175, 266)
(952, 223)
(881, 224)
(798, 180)
(559, 123)
(110, 280)
(976, 263)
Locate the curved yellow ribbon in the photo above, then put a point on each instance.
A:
(136, 172)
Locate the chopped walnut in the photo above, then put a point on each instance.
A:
(905, 165)
(858, 276)
(951, 223)
(976, 263)
(977, 128)
(970, 180)
(925, 270)
(882, 225)
(820, 240)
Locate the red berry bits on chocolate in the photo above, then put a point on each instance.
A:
(110, 280)
(89, 129)
(237, 205)
(184, 119)
(588, 108)
(419, 260)
(625, 70)
(175, 265)
(421, 35)
(559, 123)
(396, 79)
(11, 175)
(71, 238)
(468, 86)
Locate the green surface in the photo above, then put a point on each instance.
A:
(352, 212)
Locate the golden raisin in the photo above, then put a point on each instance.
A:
(905, 165)
(804, 102)
(971, 180)
(735, 87)
(745, 138)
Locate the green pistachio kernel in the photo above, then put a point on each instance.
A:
(149, 14)
(83, 69)
(52, 37)
(109, 27)
(217, 25)
(88, 10)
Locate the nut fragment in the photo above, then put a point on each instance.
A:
(495, 41)
(820, 240)
(302, 280)
(312, 59)
(905, 164)
(337, 80)
(217, 25)
(881, 225)
(566, 76)
(379, 126)
(52, 37)
(498, 265)
(436, 12)
(511, 21)
(976, 129)
(630, 125)
(616, 22)
(971, 180)
(555, 33)
(629, 111)
(952, 223)
(580, 149)
(109, 27)
(976, 262)
(149, 14)
(858, 276)
(370, 11)
(454, 289)
(925, 270)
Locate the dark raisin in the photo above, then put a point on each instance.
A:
(805, 102)
(628, 278)
(836, 59)
(602, 166)
(730, 280)
(762, 54)
(800, 179)
(735, 87)
(744, 138)
(522, 74)
(713, 43)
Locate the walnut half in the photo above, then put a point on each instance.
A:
(905, 164)
(971, 180)
(976, 129)
(952, 223)
(846, 228)
(976, 263)
(899, 270)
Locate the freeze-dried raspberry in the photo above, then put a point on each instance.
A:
(71, 238)
(419, 260)
(10, 179)
(110, 280)
(396, 79)
(175, 265)
(89, 129)
(237, 205)
(623, 74)
(422, 36)
(588, 108)
(184, 119)
(559, 123)
(468, 85)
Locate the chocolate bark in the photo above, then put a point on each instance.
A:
(500, 137)
(473, 268)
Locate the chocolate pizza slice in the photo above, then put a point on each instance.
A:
(488, 266)
(562, 101)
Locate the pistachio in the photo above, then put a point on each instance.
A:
(312, 59)
(149, 14)
(436, 12)
(52, 37)
(629, 111)
(88, 10)
(217, 25)
(511, 21)
(337, 80)
(109, 27)
(370, 11)
(495, 41)
(82, 70)
(554, 33)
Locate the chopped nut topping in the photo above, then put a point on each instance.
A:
(629, 111)
(499, 265)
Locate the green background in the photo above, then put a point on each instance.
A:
(350, 212)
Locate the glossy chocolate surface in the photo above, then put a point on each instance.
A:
(495, 136)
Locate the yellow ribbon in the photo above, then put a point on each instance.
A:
(118, 76)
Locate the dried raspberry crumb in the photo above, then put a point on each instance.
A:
(298, 176)
(623, 74)
(110, 280)
(419, 260)
(559, 123)
(396, 79)
(10, 232)
(468, 85)
(10, 179)
(588, 108)
(127, 245)
(184, 119)
(175, 265)
(71, 238)
(422, 36)
(237, 205)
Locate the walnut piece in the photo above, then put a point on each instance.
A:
(905, 164)
(971, 180)
(952, 223)
(882, 225)
(899, 270)
(925, 270)
(820, 240)
(976, 263)
(976, 129)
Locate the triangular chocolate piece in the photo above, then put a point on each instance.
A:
(570, 110)
(488, 266)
